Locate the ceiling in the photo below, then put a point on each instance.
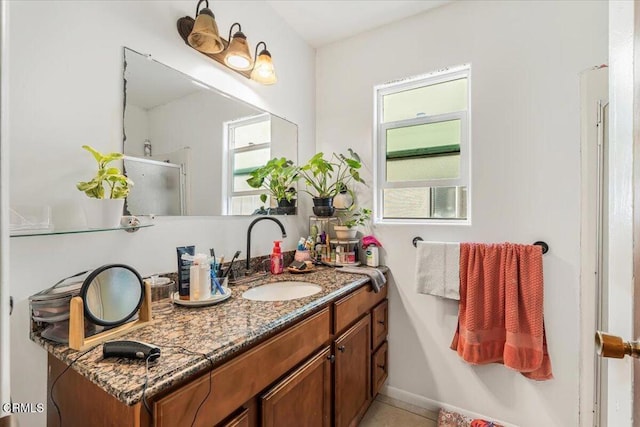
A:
(321, 22)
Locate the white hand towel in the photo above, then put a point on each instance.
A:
(438, 269)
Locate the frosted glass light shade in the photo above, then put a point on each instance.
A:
(205, 37)
(263, 70)
(238, 56)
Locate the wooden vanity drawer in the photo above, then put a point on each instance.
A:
(348, 309)
(240, 420)
(238, 380)
(380, 325)
(379, 365)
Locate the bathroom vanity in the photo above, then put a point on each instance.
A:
(313, 361)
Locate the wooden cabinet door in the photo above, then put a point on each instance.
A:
(353, 373)
(303, 398)
(380, 323)
(380, 367)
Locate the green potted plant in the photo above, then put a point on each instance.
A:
(279, 177)
(349, 221)
(105, 192)
(326, 178)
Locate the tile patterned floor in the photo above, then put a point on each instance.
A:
(382, 413)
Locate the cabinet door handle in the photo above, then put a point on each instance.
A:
(381, 322)
(342, 348)
(381, 367)
(331, 358)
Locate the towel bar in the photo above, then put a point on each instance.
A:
(543, 245)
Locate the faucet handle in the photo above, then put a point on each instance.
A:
(266, 265)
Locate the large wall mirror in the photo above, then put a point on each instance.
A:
(189, 148)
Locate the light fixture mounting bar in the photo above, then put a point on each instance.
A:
(185, 25)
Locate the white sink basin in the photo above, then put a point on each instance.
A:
(281, 291)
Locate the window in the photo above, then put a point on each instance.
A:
(422, 152)
(249, 142)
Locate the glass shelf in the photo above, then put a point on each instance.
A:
(129, 229)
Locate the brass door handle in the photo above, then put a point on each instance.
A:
(615, 347)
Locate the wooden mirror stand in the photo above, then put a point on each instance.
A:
(77, 339)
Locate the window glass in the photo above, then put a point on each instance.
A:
(407, 203)
(423, 147)
(428, 100)
(249, 148)
(250, 160)
(245, 205)
(404, 140)
(423, 152)
(422, 169)
(425, 202)
(252, 134)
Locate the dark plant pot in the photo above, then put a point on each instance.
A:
(291, 210)
(323, 206)
(284, 203)
(286, 207)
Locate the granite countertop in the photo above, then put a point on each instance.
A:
(186, 334)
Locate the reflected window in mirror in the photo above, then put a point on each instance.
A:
(177, 143)
(249, 142)
(423, 147)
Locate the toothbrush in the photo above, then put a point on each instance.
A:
(220, 266)
(231, 264)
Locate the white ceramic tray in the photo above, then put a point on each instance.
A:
(213, 300)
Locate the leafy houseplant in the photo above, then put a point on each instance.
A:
(350, 221)
(117, 184)
(356, 218)
(278, 176)
(326, 178)
(106, 191)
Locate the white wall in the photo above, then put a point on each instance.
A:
(525, 61)
(66, 90)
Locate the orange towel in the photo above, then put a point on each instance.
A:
(501, 308)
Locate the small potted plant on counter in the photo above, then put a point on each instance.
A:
(326, 178)
(105, 192)
(349, 222)
(279, 177)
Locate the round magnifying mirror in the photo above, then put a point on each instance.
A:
(112, 294)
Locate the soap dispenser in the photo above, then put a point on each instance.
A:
(277, 259)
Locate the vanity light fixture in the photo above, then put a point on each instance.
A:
(237, 54)
(202, 35)
(263, 71)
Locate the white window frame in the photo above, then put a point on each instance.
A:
(229, 136)
(380, 133)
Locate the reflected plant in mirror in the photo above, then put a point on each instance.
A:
(190, 148)
(279, 176)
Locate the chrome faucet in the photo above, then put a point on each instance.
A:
(277, 221)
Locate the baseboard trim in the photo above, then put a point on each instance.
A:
(434, 405)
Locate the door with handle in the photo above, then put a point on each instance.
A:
(623, 223)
